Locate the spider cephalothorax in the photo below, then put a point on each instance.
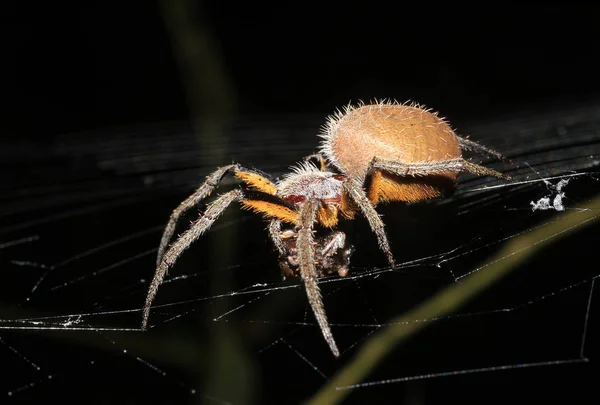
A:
(370, 154)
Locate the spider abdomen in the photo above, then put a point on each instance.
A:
(403, 133)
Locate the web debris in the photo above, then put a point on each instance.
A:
(557, 203)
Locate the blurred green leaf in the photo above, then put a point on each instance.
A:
(401, 328)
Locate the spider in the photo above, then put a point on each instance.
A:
(369, 154)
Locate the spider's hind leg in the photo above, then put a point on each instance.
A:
(467, 144)
(434, 167)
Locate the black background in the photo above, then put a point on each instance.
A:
(99, 64)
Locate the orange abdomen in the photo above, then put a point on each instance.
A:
(404, 133)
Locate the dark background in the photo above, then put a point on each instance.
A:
(100, 64)
(104, 65)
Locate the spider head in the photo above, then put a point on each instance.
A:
(306, 181)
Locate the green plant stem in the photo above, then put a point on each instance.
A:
(514, 252)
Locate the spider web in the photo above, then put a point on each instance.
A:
(81, 222)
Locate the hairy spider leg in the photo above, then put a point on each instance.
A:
(319, 158)
(256, 181)
(276, 211)
(356, 194)
(274, 229)
(248, 199)
(250, 177)
(272, 207)
(383, 188)
(308, 272)
(198, 227)
(348, 207)
(434, 167)
(467, 144)
(327, 215)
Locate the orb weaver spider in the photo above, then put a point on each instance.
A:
(370, 154)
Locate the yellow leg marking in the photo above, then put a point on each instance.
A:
(348, 208)
(271, 210)
(327, 216)
(409, 190)
(375, 188)
(257, 181)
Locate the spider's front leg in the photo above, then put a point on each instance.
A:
(308, 272)
(201, 225)
(212, 181)
(250, 177)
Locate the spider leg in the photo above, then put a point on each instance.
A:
(274, 229)
(433, 167)
(306, 219)
(319, 157)
(201, 225)
(212, 181)
(467, 144)
(357, 194)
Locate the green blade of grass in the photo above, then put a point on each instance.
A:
(402, 327)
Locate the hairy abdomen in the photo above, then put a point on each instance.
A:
(404, 133)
